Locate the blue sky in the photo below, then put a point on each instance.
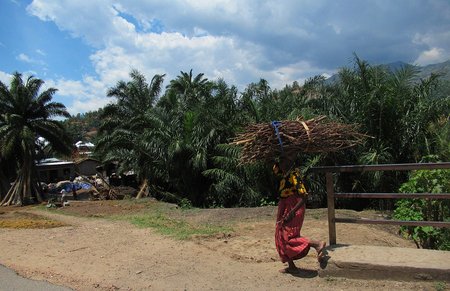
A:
(83, 47)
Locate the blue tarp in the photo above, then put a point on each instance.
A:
(85, 185)
(82, 185)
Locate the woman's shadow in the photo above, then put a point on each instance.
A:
(305, 273)
(310, 273)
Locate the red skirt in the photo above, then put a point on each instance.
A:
(290, 245)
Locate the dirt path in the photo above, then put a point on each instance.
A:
(99, 254)
(10, 280)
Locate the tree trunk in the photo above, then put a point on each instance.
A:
(4, 184)
(144, 190)
(25, 188)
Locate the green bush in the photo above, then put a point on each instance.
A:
(185, 203)
(435, 181)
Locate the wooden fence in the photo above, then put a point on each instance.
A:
(331, 195)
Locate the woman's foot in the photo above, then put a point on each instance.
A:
(320, 250)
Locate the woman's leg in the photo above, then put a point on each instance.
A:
(292, 266)
(318, 246)
(291, 269)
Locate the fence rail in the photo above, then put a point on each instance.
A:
(393, 195)
(383, 167)
(331, 195)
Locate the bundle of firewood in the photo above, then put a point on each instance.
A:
(266, 141)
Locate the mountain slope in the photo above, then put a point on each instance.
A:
(423, 71)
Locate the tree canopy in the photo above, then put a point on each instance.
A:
(25, 115)
(181, 137)
(176, 139)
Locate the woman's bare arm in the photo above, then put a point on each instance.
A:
(291, 213)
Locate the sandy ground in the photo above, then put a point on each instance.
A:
(101, 254)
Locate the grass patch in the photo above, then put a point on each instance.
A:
(165, 218)
(440, 286)
(316, 216)
(172, 221)
(175, 228)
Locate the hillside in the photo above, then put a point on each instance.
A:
(443, 68)
(422, 71)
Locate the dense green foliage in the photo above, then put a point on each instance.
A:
(436, 181)
(399, 114)
(176, 140)
(125, 137)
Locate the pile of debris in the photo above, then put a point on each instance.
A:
(265, 141)
(81, 188)
(100, 188)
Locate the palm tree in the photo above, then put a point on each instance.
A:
(234, 184)
(190, 90)
(133, 98)
(189, 130)
(260, 103)
(440, 141)
(25, 115)
(124, 133)
(186, 101)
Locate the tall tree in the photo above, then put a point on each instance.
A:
(190, 128)
(187, 99)
(191, 90)
(123, 136)
(25, 115)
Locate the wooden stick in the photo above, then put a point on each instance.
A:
(317, 135)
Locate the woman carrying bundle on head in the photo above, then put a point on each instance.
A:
(291, 212)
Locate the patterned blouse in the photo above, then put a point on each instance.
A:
(289, 184)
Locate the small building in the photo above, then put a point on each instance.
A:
(84, 149)
(53, 170)
(87, 167)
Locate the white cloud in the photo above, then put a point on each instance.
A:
(199, 32)
(5, 78)
(170, 53)
(25, 58)
(42, 53)
(120, 47)
(299, 72)
(432, 56)
(90, 104)
(95, 21)
(86, 95)
(435, 44)
(240, 41)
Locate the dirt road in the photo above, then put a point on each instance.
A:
(10, 280)
(100, 254)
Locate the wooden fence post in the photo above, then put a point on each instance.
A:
(331, 213)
